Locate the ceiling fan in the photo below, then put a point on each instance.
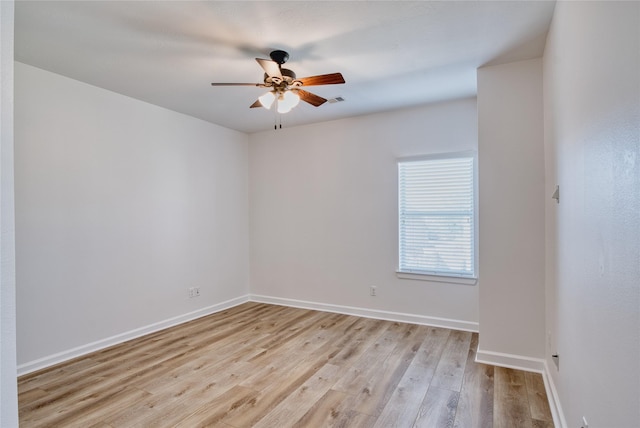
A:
(285, 88)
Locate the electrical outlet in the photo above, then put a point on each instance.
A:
(196, 292)
(372, 291)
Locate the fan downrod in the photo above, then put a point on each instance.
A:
(279, 56)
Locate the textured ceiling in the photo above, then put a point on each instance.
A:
(392, 54)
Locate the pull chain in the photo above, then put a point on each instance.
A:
(277, 121)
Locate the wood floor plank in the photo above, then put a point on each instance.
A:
(362, 369)
(334, 409)
(267, 365)
(291, 329)
(475, 407)
(438, 408)
(356, 339)
(54, 395)
(538, 403)
(403, 406)
(432, 347)
(169, 406)
(47, 406)
(31, 395)
(93, 409)
(204, 366)
(225, 405)
(388, 373)
(54, 373)
(296, 405)
(536, 423)
(278, 391)
(274, 365)
(511, 407)
(450, 371)
(118, 405)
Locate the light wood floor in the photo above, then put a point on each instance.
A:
(260, 365)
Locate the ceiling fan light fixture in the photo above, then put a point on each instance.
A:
(292, 98)
(283, 107)
(267, 99)
(287, 101)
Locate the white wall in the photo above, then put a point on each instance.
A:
(324, 210)
(121, 206)
(592, 104)
(512, 201)
(8, 384)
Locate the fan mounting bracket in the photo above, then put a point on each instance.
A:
(279, 56)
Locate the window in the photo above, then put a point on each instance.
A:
(437, 216)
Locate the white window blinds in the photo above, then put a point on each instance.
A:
(436, 207)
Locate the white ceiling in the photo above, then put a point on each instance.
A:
(392, 54)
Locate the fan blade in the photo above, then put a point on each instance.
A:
(310, 98)
(256, 104)
(270, 67)
(323, 79)
(259, 85)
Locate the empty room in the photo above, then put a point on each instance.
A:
(320, 213)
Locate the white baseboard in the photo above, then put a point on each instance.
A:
(60, 357)
(554, 399)
(370, 313)
(510, 361)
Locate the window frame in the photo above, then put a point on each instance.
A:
(441, 276)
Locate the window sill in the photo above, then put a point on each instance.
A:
(437, 278)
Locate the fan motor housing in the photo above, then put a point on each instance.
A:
(288, 74)
(288, 77)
